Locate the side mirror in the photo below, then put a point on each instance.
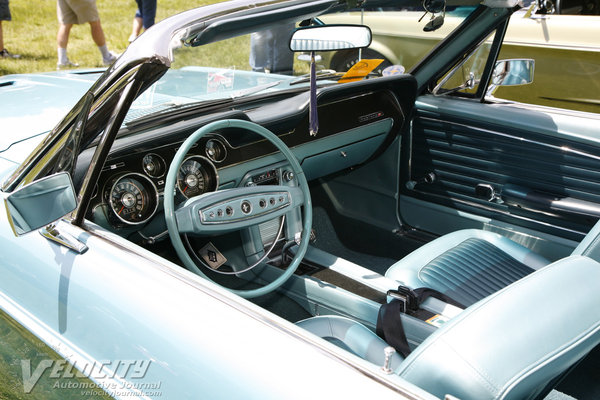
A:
(41, 203)
(513, 72)
(330, 37)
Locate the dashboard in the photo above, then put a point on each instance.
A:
(128, 196)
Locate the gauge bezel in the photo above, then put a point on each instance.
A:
(203, 162)
(152, 187)
(221, 144)
(164, 165)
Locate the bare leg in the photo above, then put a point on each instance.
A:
(137, 28)
(97, 33)
(62, 38)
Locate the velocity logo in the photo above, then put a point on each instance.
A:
(96, 371)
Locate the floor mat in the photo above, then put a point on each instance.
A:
(328, 240)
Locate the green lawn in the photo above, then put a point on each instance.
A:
(32, 32)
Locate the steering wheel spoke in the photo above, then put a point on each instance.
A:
(237, 209)
(234, 209)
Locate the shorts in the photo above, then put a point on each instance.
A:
(146, 11)
(77, 11)
(4, 11)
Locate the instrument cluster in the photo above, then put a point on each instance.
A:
(133, 185)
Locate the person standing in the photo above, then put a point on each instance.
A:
(144, 17)
(72, 12)
(5, 16)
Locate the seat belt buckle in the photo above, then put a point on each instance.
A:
(406, 296)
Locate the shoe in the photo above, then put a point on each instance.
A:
(6, 54)
(110, 59)
(67, 64)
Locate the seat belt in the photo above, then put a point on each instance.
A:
(405, 301)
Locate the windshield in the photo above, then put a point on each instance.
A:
(262, 63)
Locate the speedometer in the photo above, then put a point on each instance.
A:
(196, 175)
(133, 198)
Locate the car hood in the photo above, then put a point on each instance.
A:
(32, 104)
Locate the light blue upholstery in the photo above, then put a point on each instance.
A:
(511, 344)
(351, 336)
(590, 245)
(466, 265)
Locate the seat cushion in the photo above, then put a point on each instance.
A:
(512, 344)
(466, 265)
(351, 336)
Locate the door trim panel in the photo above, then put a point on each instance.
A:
(465, 143)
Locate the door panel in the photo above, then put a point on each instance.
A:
(544, 167)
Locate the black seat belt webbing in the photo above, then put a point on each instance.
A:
(389, 320)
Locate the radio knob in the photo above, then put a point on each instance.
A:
(288, 176)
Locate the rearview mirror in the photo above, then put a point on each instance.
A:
(513, 72)
(330, 37)
(41, 203)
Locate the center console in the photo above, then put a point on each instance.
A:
(325, 284)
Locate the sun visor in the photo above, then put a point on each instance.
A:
(254, 20)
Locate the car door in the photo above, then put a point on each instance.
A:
(472, 160)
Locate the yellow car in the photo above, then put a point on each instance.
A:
(566, 49)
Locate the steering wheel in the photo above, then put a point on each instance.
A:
(235, 209)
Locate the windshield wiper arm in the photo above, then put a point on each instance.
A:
(323, 74)
(253, 90)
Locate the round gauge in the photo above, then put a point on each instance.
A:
(154, 165)
(133, 198)
(215, 150)
(196, 175)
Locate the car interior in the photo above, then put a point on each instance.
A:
(397, 187)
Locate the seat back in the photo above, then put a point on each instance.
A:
(512, 343)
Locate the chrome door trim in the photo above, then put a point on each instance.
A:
(517, 138)
(497, 211)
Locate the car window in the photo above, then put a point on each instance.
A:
(262, 62)
(466, 75)
(566, 51)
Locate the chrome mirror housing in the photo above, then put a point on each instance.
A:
(330, 37)
(41, 203)
(513, 72)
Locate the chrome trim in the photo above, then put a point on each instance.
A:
(245, 217)
(498, 211)
(161, 159)
(458, 66)
(540, 44)
(519, 138)
(153, 239)
(211, 165)
(51, 232)
(220, 143)
(153, 188)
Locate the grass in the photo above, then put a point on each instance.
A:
(16, 345)
(32, 32)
